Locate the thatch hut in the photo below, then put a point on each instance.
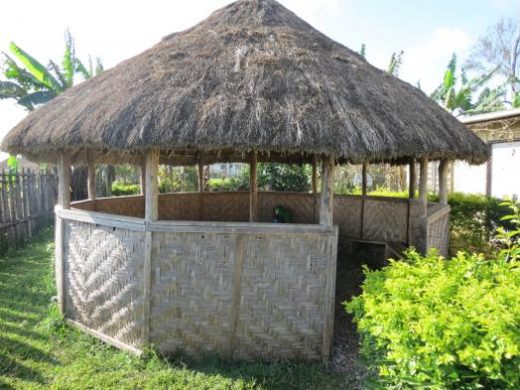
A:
(206, 272)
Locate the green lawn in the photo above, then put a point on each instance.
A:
(38, 351)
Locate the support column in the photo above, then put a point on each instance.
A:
(151, 203)
(489, 173)
(412, 180)
(152, 186)
(201, 177)
(423, 185)
(327, 191)
(142, 181)
(91, 178)
(364, 169)
(315, 187)
(63, 203)
(253, 189)
(443, 182)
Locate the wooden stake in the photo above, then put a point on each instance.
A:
(91, 179)
(443, 181)
(327, 191)
(253, 189)
(152, 186)
(423, 185)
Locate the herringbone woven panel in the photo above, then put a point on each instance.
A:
(438, 234)
(347, 215)
(180, 207)
(385, 220)
(283, 299)
(225, 206)
(300, 205)
(192, 288)
(103, 280)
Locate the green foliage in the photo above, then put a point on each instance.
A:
(474, 220)
(427, 322)
(120, 189)
(32, 84)
(39, 351)
(177, 179)
(238, 183)
(284, 177)
(395, 63)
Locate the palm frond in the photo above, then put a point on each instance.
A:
(68, 63)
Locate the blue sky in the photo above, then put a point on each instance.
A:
(427, 30)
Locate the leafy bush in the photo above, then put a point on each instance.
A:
(238, 183)
(474, 220)
(284, 177)
(120, 189)
(427, 322)
(177, 179)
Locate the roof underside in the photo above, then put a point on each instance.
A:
(251, 77)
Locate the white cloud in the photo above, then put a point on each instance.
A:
(427, 60)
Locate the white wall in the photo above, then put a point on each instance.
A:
(506, 170)
(469, 178)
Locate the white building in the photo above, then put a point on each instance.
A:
(500, 176)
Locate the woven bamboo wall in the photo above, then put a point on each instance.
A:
(103, 273)
(385, 220)
(242, 295)
(438, 230)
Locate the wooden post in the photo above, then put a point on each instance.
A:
(64, 180)
(91, 178)
(64, 203)
(423, 185)
(201, 177)
(444, 166)
(327, 191)
(412, 180)
(315, 188)
(142, 181)
(364, 178)
(314, 175)
(151, 202)
(152, 186)
(253, 189)
(489, 172)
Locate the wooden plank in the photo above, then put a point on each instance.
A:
(24, 181)
(253, 188)
(103, 219)
(443, 181)
(200, 182)
(327, 189)
(151, 198)
(21, 228)
(91, 176)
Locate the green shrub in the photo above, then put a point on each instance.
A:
(238, 183)
(427, 322)
(120, 189)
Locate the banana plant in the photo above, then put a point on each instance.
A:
(457, 97)
(30, 83)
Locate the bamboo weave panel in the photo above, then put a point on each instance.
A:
(282, 299)
(192, 288)
(103, 271)
(347, 215)
(385, 220)
(438, 234)
(300, 205)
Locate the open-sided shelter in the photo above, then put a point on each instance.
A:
(210, 272)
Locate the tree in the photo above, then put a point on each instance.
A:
(500, 49)
(456, 94)
(30, 83)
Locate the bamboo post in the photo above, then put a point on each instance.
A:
(327, 191)
(423, 185)
(19, 207)
(412, 179)
(443, 182)
(253, 189)
(143, 176)
(91, 176)
(489, 173)
(151, 197)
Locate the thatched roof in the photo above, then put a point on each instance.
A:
(252, 76)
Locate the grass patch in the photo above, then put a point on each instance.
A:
(37, 350)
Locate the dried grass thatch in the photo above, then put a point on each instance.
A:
(253, 76)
